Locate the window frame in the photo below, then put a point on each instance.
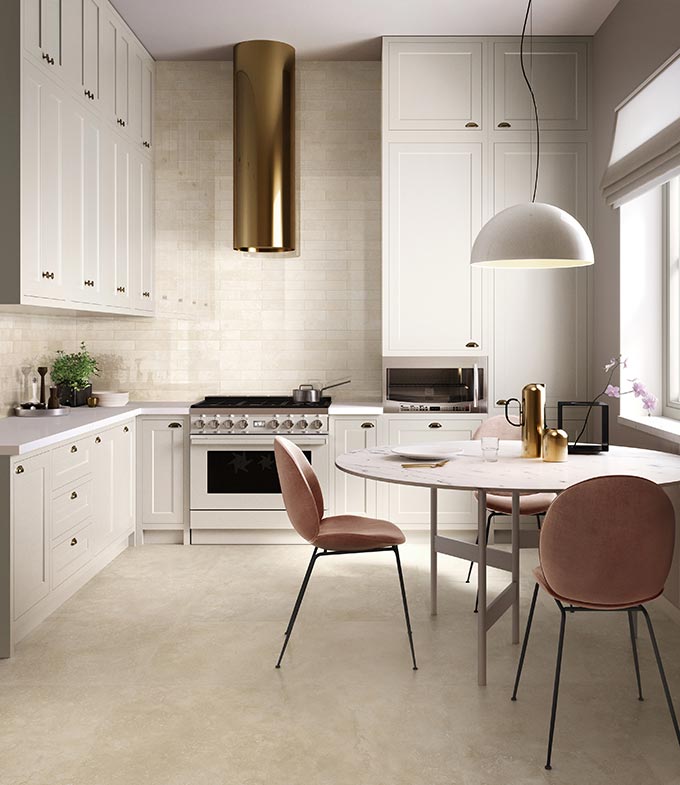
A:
(671, 298)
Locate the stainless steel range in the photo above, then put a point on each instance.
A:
(234, 483)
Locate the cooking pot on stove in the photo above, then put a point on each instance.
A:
(308, 393)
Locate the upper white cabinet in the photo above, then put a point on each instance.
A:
(541, 316)
(85, 182)
(434, 198)
(434, 83)
(558, 77)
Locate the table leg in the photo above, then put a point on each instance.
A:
(481, 588)
(515, 566)
(433, 552)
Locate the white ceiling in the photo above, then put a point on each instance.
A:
(342, 29)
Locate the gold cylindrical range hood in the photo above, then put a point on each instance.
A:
(264, 146)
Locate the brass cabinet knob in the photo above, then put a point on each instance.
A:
(120, 289)
(368, 425)
(74, 542)
(471, 125)
(74, 448)
(48, 275)
(125, 429)
(19, 469)
(74, 495)
(435, 425)
(504, 125)
(98, 440)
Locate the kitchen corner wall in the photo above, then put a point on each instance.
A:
(228, 323)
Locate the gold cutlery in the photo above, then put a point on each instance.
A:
(424, 465)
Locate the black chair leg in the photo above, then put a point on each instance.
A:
(488, 531)
(406, 614)
(525, 642)
(538, 521)
(662, 673)
(556, 686)
(298, 603)
(636, 661)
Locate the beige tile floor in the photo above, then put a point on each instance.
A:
(160, 672)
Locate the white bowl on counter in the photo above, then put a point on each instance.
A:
(112, 399)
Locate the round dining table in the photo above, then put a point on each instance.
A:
(512, 475)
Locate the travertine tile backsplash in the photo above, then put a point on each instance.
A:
(228, 323)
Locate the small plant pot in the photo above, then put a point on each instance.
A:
(70, 397)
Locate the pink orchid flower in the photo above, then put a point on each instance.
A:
(612, 391)
(611, 364)
(639, 390)
(649, 402)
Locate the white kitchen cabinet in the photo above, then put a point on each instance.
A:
(124, 478)
(91, 48)
(148, 76)
(433, 197)
(541, 316)
(411, 506)
(122, 74)
(559, 80)
(162, 452)
(30, 531)
(354, 495)
(123, 207)
(104, 484)
(141, 231)
(52, 35)
(433, 83)
(42, 191)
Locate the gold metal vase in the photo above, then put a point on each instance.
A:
(555, 445)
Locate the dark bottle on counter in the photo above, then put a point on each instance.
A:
(53, 402)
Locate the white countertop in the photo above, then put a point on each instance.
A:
(366, 409)
(20, 435)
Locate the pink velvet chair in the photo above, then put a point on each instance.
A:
(335, 535)
(501, 504)
(606, 545)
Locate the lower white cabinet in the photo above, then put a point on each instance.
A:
(124, 478)
(30, 511)
(162, 449)
(353, 495)
(411, 506)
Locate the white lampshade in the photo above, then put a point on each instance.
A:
(532, 235)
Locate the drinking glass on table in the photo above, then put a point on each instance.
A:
(490, 448)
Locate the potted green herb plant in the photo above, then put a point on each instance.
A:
(71, 373)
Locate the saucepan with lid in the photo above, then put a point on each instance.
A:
(308, 393)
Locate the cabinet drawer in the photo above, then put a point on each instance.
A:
(70, 462)
(71, 554)
(71, 507)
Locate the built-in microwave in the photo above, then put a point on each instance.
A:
(435, 384)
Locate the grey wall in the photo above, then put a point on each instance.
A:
(632, 42)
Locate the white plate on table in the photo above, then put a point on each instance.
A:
(429, 452)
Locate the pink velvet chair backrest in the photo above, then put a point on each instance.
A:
(498, 426)
(608, 541)
(300, 487)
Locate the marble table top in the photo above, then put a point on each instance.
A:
(510, 472)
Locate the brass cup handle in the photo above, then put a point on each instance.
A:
(504, 125)
(472, 345)
(74, 495)
(471, 124)
(74, 448)
(174, 425)
(19, 469)
(435, 425)
(74, 541)
(368, 425)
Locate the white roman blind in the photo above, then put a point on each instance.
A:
(646, 146)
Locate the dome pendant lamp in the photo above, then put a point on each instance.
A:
(532, 235)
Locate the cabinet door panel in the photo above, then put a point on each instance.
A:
(408, 505)
(71, 42)
(147, 104)
(124, 195)
(434, 214)
(107, 69)
(32, 27)
(104, 485)
(108, 230)
(122, 77)
(434, 85)
(31, 532)
(540, 332)
(352, 495)
(91, 39)
(50, 29)
(162, 471)
(134, 126)
(124, 484)
(559, 80)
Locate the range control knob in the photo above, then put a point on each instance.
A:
(317, 425)
(215, 424)
(199, 424)
(273, 425)
(228, 424)
(242, 425)
(302, 424)
(287, 424)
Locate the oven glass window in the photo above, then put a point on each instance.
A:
(244, 471)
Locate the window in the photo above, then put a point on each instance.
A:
(671, 231)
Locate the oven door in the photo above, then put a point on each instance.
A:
(239, 472)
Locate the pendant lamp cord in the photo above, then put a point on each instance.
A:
(533, 97)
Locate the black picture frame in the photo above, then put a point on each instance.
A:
(586, 448)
